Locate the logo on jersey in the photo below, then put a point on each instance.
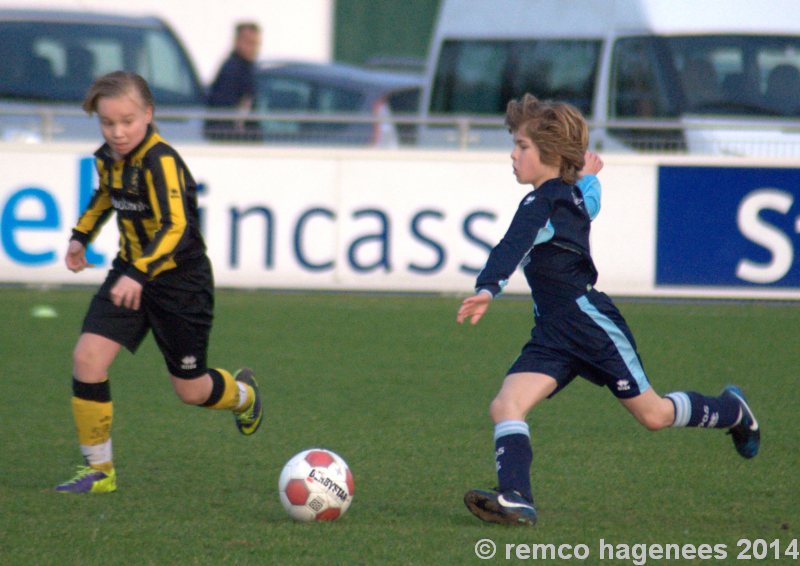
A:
(528, 199)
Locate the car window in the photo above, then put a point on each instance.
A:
(293, 94)
(163, 64)
(42, 61)
(336, 99)
(284, 94)
(405, 101)
(279, 94)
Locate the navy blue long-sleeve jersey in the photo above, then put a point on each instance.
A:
(549, 236)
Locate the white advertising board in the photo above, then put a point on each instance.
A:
(343, 219)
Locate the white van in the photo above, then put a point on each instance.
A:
(703, 76)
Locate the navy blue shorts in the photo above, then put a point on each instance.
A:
(589, 338)
(178, 306)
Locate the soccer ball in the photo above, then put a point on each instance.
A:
(316, 485)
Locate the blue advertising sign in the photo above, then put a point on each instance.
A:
(728, 226)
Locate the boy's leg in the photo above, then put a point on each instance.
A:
(93, 411)
(513, 455)
(182, 335)
(218, 389)
(512, 502)
(729, 410)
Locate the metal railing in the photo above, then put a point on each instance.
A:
(688, 135)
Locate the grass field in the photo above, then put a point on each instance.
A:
(401, 392)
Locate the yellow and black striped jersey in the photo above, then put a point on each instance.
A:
(155, 198)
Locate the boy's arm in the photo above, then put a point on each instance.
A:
(94, 215)
(589, 184)
(504, 258)
(590, 187)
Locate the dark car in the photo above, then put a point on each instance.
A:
(48, 59)
(336, 104)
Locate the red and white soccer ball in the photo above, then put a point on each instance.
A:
(316, 485)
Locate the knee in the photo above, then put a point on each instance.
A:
(87, 361)
(92, 357)
(501, 409)
(81, 357)
(190, 392)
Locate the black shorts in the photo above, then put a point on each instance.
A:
(590, 338)
(178, 306)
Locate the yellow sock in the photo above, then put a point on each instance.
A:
(227, 392)
(93, 423)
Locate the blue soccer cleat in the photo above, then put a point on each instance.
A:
(747, 434)
(505, 508)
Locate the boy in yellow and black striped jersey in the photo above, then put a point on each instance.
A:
(161, 279)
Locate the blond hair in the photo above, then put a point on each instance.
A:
(114, 84)
(558, 129)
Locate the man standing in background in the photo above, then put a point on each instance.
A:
(234, 88)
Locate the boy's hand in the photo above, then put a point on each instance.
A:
(473, 308)
(75, 258)
(127, 293)
(592, 164)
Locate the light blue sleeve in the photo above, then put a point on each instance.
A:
(544, 234)
(590, 187)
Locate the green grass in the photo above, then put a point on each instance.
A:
(401, 392)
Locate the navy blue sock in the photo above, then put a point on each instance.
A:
(513, 456)
(696, 410)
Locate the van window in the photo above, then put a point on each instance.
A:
(750, 75)
(640, 85)
(480, 77)
(721, 75)
(56, 62)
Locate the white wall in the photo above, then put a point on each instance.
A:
(296, 29)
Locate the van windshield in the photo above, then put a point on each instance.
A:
(744, 75)
(56, 62)
(480, 77)
(651, 76)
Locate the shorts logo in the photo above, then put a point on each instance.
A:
(623, 385)
(189, 362)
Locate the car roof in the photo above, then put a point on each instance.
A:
(342, 74)
(76, 17)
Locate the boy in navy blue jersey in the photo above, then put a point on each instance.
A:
(578, 330)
